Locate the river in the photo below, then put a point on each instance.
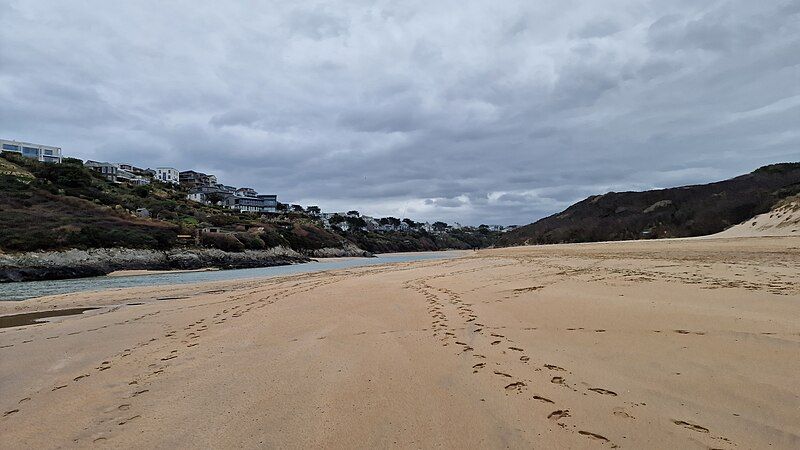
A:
(31, 289)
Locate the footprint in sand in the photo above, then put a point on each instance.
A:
(557, 380)
(558, 414)
(542, 399)
(10, 412)
(603, 391)
(516, 386)
(595, 436)
(691, 426)
(123, 422)
(138, 393)
(619, 412)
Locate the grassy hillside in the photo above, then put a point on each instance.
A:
(62, 206)
(37, 214)
(676, 212)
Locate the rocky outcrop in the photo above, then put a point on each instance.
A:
(95, 262)
(346, 250)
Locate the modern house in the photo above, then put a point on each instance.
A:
(256, 204)
(269, 203)
(201, 194)
(167, 175)
(246, 192)
(243, 204)
(137, 170)
(190, 178)
(43, 153)
(108, 170)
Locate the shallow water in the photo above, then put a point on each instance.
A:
(19, 320)
(30, 289)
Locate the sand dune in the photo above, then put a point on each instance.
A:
(783, 220)
(657, 344)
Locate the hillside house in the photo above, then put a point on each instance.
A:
(43, 153)
(167, 175)
(191, 178)
(108, 170)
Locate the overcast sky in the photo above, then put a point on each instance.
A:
(476, 112)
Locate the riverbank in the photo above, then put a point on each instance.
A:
(670, 344)
(96, 262)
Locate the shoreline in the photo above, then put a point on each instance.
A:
(160, 279)
(629, 338)
(568, 346)
(142, 272)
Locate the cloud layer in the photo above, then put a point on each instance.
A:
(478, 112)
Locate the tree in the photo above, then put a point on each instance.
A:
(215, 197)
(356, 222)
(315, 210)
(353, 213)
(393, 221)
(440, 226)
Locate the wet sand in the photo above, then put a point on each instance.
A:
(658, 344)
(136, 273)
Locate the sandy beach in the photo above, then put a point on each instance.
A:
(657, 344)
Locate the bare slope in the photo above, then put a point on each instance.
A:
(676, 212)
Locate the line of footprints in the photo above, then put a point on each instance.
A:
(455, 323)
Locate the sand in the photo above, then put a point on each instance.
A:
(783, 220)
(658, 344)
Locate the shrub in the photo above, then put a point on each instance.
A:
(65, 175)
(250, 241)
(223, 241)
(272, 238)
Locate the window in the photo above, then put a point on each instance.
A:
(11, 147)
(30, 151)
(48, 152)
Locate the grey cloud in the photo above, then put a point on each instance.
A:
(499, 113)
(598, 29)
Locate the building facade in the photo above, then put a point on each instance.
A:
(167, 175)
(254, 204)
(191, 179)
(108, 170)
(246, 192)
(43, 153)
(269, 203)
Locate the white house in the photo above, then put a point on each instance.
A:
(44, 153)
(168, 175)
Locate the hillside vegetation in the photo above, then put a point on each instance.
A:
(67, 206)
(677, 212)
